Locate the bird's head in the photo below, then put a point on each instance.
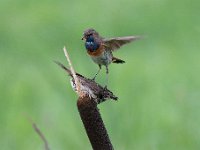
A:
(89, 33)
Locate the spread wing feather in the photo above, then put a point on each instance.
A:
(117, 42)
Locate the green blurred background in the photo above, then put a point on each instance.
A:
(158, 86)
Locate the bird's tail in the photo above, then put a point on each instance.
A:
(117, 60)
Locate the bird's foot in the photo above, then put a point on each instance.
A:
(105, 88)
(94, 78)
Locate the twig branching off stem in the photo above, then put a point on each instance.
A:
(76, 80)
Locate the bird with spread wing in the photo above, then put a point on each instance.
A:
(100, 49)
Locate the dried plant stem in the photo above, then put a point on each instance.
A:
(93, 124)
(87, 107)
(77, 83)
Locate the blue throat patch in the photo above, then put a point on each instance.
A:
(90, 44)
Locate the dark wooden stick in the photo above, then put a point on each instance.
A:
(93, 124)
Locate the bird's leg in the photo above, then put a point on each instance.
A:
(106, 77)
(97, 73)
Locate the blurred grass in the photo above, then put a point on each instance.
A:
(158, 87)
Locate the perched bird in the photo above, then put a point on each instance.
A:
(100, 49)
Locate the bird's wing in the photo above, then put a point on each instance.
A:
(117, 42)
